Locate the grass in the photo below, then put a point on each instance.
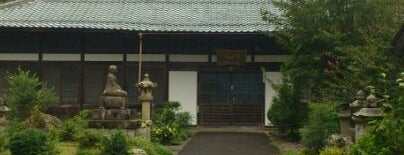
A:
(67, 148)
(290, 153)
(5, 153)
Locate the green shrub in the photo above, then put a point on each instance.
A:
(117, 145)
(4, 141)
(285, 112)
(321, 124)
(25, 91)
(90, 139)
(150, 148)
(169, 125)
(13, 127)
(332, 151)
(31, 141)
(72, 127)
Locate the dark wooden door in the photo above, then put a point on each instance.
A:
(230, 99)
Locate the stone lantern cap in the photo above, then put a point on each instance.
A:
(362, 101)
(360, 95)
(371, 101)
(3, 107)
(369, 112)
(146, 83)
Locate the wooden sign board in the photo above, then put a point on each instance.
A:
(231, 57)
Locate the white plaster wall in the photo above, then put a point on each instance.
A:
(61, 57)
(183, 87)
(103, 57)
(188, 58)
(269, 91)
(19, 56)
(147, 57)
(272, 58)
(248, 58)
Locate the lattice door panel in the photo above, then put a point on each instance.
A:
(230, 99)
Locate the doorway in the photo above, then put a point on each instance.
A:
(230, 98)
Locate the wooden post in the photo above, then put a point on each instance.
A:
(140, 56)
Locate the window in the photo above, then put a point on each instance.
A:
(65, 79)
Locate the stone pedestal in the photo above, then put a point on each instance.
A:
(114, 102)
(344, 117)
(114, 118)
(146, 109)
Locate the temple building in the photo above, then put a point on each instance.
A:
(205, 54)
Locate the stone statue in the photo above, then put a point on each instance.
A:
(114, 111)
(113, 96)
(112, 87)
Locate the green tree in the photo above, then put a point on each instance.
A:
(5, 1)
(25, 92)
(339, 45)
(321, 123)
(287, 112)
(342, 46)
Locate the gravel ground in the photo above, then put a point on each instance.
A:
(276, 140)
(229, 143)
(284, 145)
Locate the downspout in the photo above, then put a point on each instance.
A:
(140, 57)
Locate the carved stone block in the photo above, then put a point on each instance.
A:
(114, 102)
(98, 114)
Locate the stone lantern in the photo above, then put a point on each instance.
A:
(146, 97)
(344, 115)
(3, 112)
(367, 111)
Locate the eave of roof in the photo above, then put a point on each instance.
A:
(221, 16)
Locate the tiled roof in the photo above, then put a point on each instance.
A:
(138, 15)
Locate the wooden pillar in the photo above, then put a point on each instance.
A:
(125, 71)
(81, 91)
(40, 56)
(82, 71)
(252, 50)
